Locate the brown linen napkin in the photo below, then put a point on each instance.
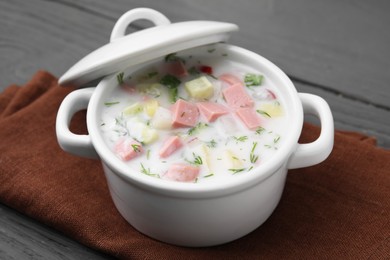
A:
(339, 209)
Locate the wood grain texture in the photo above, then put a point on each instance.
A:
(330, 48)
(24, 238)
(335, 49)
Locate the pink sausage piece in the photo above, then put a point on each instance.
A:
(182, 172)
(177, 69)
(211, 111)
(171, 144)
(184, 114)
(237, 97)
(249, 117)
(230, 79)
(128, 149)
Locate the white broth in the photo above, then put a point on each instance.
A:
(193, 119)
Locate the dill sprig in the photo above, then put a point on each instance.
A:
(119, 78)
(108, 104)
(260, 130)
(264, 113)
(211, 143)
(136, 148)
(193, 71)
(251, 79)
(196, 161)
(241, 138)
(196, 128)
(173, 57)
(172, 83)
(252, 157)
(121, 122)
(147, 171)
(234, 171)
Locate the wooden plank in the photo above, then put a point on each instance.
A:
(54, 35)
(38, 35)
(340, 45)
(352, 115)
(24, 238)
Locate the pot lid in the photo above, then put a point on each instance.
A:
(124, 51)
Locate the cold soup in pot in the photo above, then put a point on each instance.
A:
(194, 118)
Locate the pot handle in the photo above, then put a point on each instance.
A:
(73, 143)
(127, 18)
(317, 151)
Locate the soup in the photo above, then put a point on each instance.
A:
(194, 118)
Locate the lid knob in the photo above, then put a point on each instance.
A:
(124, 51)
(127, 18)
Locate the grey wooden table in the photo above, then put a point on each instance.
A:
(336, 49)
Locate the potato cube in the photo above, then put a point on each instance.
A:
(149, 135)
(232, 161)
(162, 119)
(150, 107)
(200, 88)
(153, 90)
(272, 109)
(133, 109)
(141, 132)
(205, 151)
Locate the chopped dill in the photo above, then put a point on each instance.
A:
(234, 171)
(262, 112)
(252, 157)
(197, 160)
(196, 128)
(251, 79)
(147, 171)
(121, 122)
(260, 130)
(172, 57)
(108, 104)
(136, 148)
(172, 83)
(119, 78)
(193, 71)
(241, 138)
(211, 143)
(268, 146)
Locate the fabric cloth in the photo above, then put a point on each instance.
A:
(339, 209)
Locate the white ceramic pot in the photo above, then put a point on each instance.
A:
(190, 214)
